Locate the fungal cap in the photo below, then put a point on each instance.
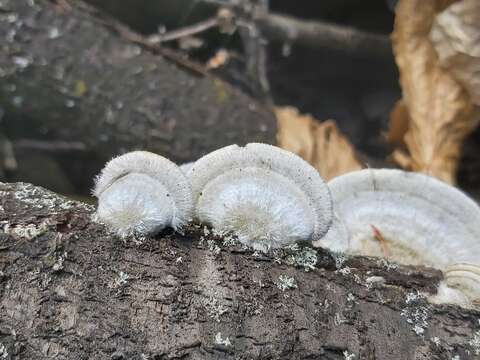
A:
(337, 238)
(266, 195)
(465, 277)
(461, 286)
(423, 220)
(447, 295)
(143, 192)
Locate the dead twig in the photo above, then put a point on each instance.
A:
(54, 146)
(128, 34)
(318, 34)
(185, 31)
(254, 43)
(314, 34)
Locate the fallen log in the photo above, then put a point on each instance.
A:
(69, 289)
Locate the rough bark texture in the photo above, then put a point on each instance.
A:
(71, 84)
(71, 290)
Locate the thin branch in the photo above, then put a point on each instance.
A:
(185, 31)
(319, 34)
(254, 44)
(129, 34)
(313, 34)
(53, 145)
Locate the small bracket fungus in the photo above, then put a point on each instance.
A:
(267, 196)
(142, 193)
(409, 218)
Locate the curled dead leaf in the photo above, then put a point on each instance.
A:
(320, 144)
(398, 125)
(455, 36)
(440, 110)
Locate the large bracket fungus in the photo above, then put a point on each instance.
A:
(267, 196)
(410, 218)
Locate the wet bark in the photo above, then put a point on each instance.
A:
(71, 290)
(74, 89)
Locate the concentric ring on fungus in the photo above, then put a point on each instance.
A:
(265, 195)
(409, 218)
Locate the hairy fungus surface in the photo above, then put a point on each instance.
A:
(141, 192)
(265, 195)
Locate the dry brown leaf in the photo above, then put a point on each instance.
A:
(398, 125)
(321, 144)
(295, 132)
(397, 128)
(455, 36)
(333, 155)
(221, 57)
(440, 110)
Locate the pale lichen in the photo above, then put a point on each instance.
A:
(387, 264)
(38, 198)
(3, 351)
(286, 283)
(215, 304)
(214, 239)
(412, 297)
(345, 271)
(304, 257)
(121, 279)
(474, 343)
(221, 341)
(212, 246)
(350, 297)
(357, 279)
(28, 232)
(229, 239)
(58, 265)
(373, 282)
(435, 340)
(338, 319)
(339, 258)
(417, 316)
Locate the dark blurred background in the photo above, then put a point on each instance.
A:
(357, 89)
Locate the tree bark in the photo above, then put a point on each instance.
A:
(72, 85)
(69, 289)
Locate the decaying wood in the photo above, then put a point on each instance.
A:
(66, 76)
(71, 290)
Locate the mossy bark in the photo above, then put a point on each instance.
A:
(69, 289)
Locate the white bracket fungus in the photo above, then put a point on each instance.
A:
(267, 196)
(409, 218)
(142, 193)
